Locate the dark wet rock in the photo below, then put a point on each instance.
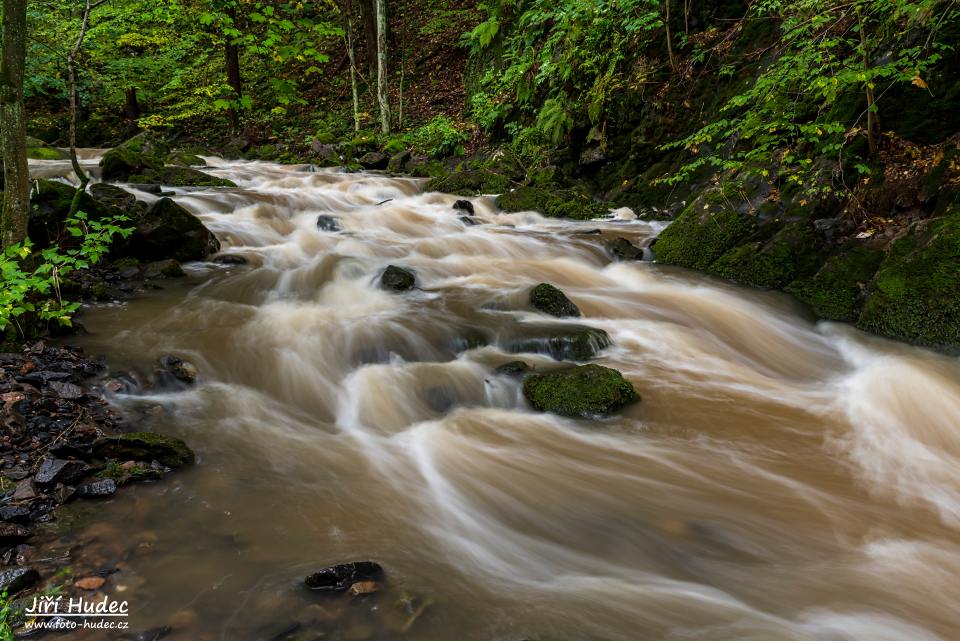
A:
(622, 249)
(97, 489)
(593, 155)
(374, 160)
(147, 188)
(49, 206)
(326, 222)
(17, 579)
(182, 370)
(513, 368)
(397, 279)
(327, 153)
(60, 471)
(586, 391)
(12, 532)
(469, 221)
(185, 159)
(26, 490)
(66, 390)
(464, 205)
(144, 446)
(122, 383)
(168, 268)
(114, 196)
(131, 472)
(120, 163)
(561, 342)
(63, 493)
(154, 634)
(339, 578)
(398, 162)
(440, 399)
(170, 231)
(230, 259)
(281, 632)
(550, 300)
(14, 514)
(470, 182)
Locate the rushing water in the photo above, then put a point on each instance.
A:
(780, 481)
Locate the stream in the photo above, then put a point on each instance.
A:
(781, 480)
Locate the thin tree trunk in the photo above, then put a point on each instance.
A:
(687, 9)
(403, 52)
(368, 11)
(382, 98)
(13, 130)
(132, 109)
(871, 109)
(72, 75)
(353, 70)
(232, 55)
(666, 24)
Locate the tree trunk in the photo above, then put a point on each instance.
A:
(871, 108)
(78, 171)
(13, 126)
(382, 98)
(368, 10)
(132, 110)
(232, 54)
(666, 24)
(353, 71)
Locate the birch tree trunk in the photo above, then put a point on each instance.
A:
(13, 126)
(72, 74)
(382, 67)
(353, 72)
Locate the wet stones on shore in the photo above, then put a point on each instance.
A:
(550, 300)
(585, 391)
(398, 279)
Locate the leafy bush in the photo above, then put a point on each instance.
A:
(35, 289)
(439, 138)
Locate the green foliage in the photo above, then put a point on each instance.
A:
(563, 62)
(6, 614)
(809, 101)
(33, 280)
(439, 138)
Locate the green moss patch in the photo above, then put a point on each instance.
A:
(700, 236)
(586, 391)
(470, 182)
(553, 203)
(837, 290)
(791, 253)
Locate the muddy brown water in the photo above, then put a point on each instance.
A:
(782, 480)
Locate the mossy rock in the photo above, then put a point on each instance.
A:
(470, 182)
(586, 391)
(185, 159)
(114, 196)
(837, 290)
(145, 447)
(50, 206)
(553, 202)
(550, 300)
(120, 163)
(179, 177)
(699, 236)
(790, 254)
(39, 150)
(139, 472)
(168, 230)
(915, 295)
(562, 342)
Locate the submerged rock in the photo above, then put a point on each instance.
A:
(168, 268)
(398, 279)
(550, 300)
(182, 370)
(339, 578)
(622, 249)
(586, 391)
(144, 446)
(230, 259)
(561, 342)
(513, 368)
(464, 205)
(326, 222)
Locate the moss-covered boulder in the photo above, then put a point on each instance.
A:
(470, 182)
(553, 202)
(39, 150)
(114, 196)
(50, 206)
(168, 230)
(586, 391)
(702, 234)
(789, 254)
(915, 295)
(550, 300)
(179, 177)
(120, 163)
(146, 447)
(837, 290)
(562, 342)
(182, 158)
